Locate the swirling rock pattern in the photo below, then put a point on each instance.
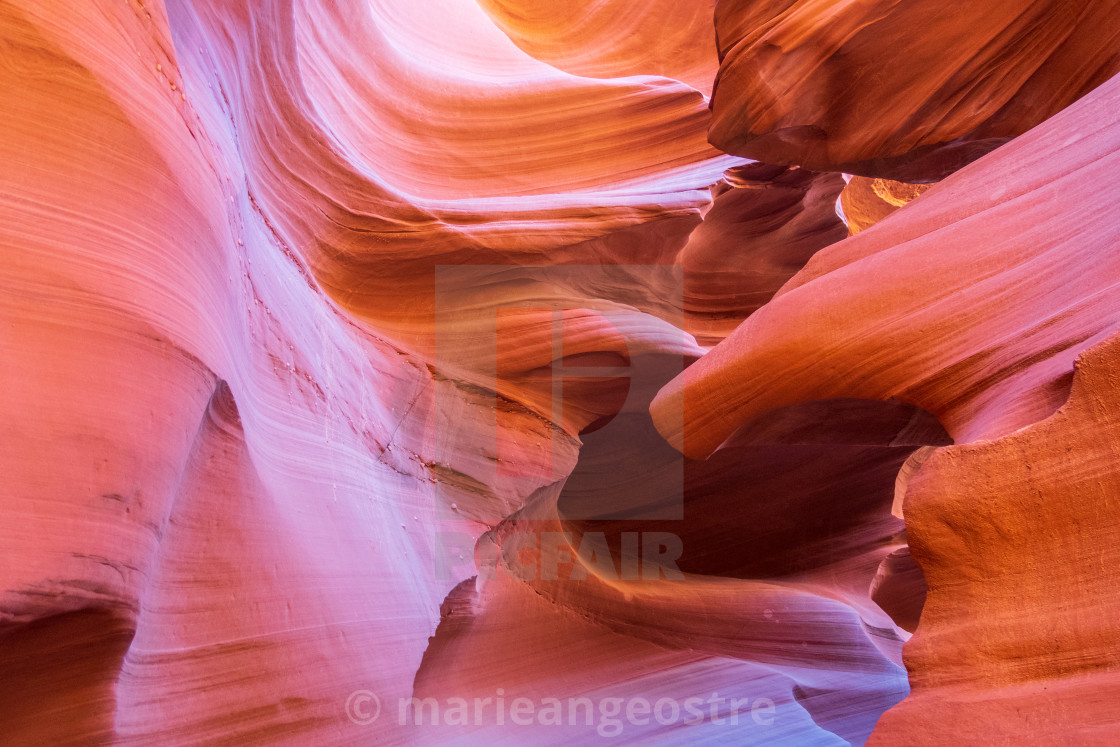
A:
(983, 334)
(239, 436)
(361, 357)
(905, 90)
(984, 361)
(603, 39)
(776, 219)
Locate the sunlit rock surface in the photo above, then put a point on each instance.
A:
(365, 358)
(905, 90)
(866, 201)
(612, 39)
(244, 407)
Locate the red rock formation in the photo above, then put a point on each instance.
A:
(980, 296)
(245, 407)
(899, 587)
(762, 227)
(909, 91)
(972, 303)
(330, 335)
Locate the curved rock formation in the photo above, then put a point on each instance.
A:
(762, 227)
(899, 587)
(1013, 626)
(254, 392)
(972, 303)
(979, 296)
(909, 91)
(613, 39)
(340, 340)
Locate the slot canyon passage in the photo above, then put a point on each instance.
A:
(559, 372)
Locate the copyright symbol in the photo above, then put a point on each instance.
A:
(363, 707)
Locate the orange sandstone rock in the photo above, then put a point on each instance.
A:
(865, 201)
(1017, 539)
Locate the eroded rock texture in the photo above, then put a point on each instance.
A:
(605, 39)
(362, 359)
(245, 409)
(973, 303)
(905, 90)
(762, 227)
(1018, 636)
(980, 295)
